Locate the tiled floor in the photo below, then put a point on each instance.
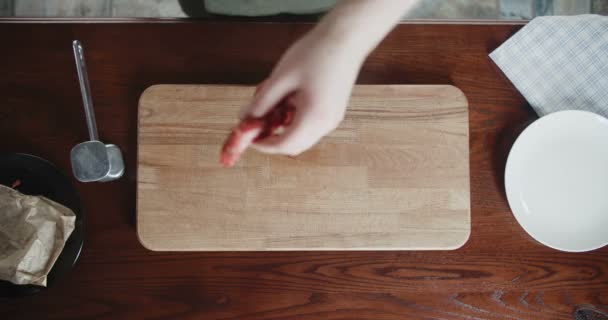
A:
(433, 9)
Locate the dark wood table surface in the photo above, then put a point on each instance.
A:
(501, 273)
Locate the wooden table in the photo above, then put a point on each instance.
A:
(501, 273)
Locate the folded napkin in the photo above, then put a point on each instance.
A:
(559, 63)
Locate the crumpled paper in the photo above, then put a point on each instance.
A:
(33, 231)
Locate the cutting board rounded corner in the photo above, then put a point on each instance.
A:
(461, 95)
(463, 241)
(154, 87)
(151, 91)
(152, 246)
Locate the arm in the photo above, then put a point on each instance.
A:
(317, 73)
(362, 24)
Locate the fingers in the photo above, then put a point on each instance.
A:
(259, 87)
(302, 134)
(239, 139)
(244, 111)
(268, 94)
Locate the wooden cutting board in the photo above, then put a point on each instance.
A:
(393, 176)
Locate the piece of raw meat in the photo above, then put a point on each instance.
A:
(251, 129)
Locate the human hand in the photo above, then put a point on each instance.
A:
(306, 94)
(315, 77)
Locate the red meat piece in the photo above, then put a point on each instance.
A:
(251, 130)
(16, 184)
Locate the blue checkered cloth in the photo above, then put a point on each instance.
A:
(559, 63)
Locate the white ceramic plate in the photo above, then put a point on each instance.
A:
(556, 180)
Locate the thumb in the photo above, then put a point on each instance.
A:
(268, 95)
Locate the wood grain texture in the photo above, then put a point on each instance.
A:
(393, 176)
(500, 273)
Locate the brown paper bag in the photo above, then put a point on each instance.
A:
(33, 231)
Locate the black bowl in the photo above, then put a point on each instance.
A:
(39, 177)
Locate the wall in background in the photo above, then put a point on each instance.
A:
(428, 9)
